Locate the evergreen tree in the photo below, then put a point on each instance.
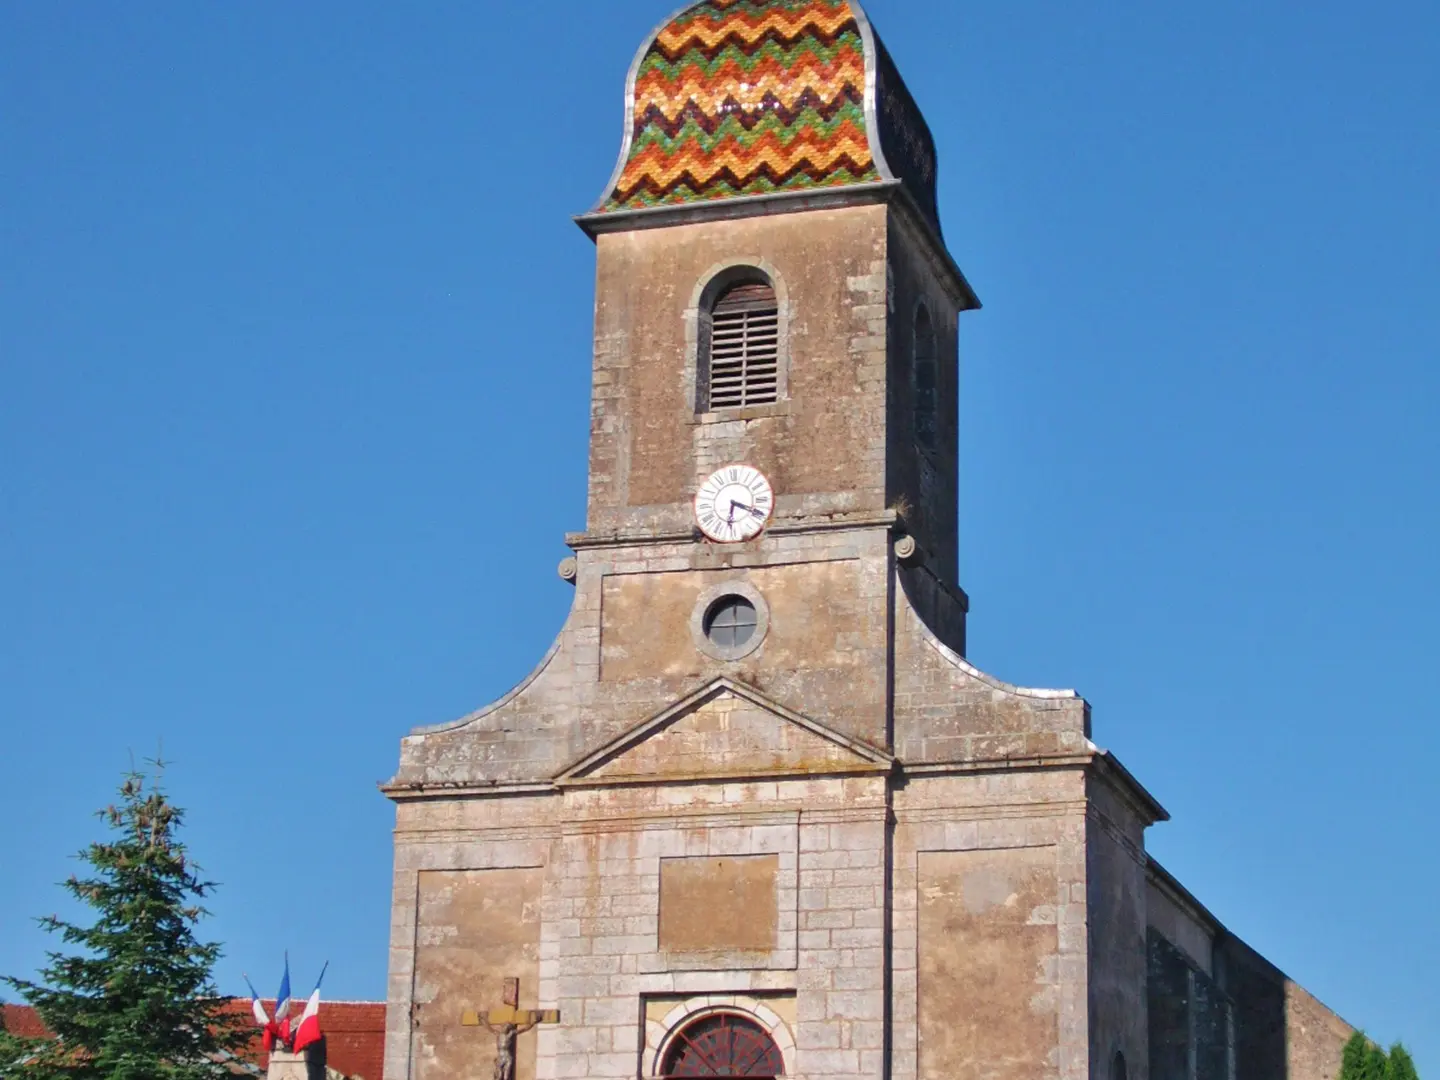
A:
(1353, 1057)
(1375, 1064)
(135, 1000)
(1400, 1065)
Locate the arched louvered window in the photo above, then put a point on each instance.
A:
(740, 347)
(926, 376)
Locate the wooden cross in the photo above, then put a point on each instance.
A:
(506, 1023)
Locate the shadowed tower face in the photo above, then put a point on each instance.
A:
(754, 813)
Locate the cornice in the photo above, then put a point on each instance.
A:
(882, 192)
(886, 519)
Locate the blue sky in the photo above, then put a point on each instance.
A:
(294, 346)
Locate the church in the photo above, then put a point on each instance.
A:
(755, 813)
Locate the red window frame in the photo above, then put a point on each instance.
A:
(723, 1044)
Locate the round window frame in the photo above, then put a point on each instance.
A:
(730, 602)
(713, 595)
(680, 1031)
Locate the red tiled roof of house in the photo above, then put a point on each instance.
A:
(22, 1020)
(354, 1036)
(354, 1033)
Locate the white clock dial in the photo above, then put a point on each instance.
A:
(734, 504)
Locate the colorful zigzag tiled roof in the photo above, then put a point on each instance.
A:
(734, 98)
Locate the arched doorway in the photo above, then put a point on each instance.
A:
(724, 1044)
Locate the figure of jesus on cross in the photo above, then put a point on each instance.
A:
(507, 1024)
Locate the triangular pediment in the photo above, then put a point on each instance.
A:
(725, 730)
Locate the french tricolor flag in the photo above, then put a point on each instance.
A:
(309, 1030)
(257, 1009)
(281, 1025)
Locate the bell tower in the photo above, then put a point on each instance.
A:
(773, 288)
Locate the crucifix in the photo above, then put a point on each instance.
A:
(506, 1023)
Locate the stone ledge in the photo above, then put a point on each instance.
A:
(865, 519)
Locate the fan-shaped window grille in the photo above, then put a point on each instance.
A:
(925, 379)
(724, 1044)
(741, 365)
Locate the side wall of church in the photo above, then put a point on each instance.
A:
(1115, 855)
(1315, 1036)
(1178, 922)
(1282, 1030)
(1190, 1018)
(1219, 1010)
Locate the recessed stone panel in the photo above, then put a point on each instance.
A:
(817, 618)
(719, 904)
(988, 965)
(475, 929)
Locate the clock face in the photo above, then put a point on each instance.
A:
(734, 504)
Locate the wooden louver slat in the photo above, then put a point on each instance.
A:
(744, 360)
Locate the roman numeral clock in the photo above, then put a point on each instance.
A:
(734, 504)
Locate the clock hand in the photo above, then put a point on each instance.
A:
(749, 509)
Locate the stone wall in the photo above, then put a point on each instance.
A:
(1282, 1030)
(989, 915)
(1181, 923)
(474, 929)
(805, 860)
(1315, 1036)
(826, 650)
(1192, 1020)
(933, 928)
(946, 710)
(925, 481)
(1115, 872)
(1218, 1010)
(649, 444)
